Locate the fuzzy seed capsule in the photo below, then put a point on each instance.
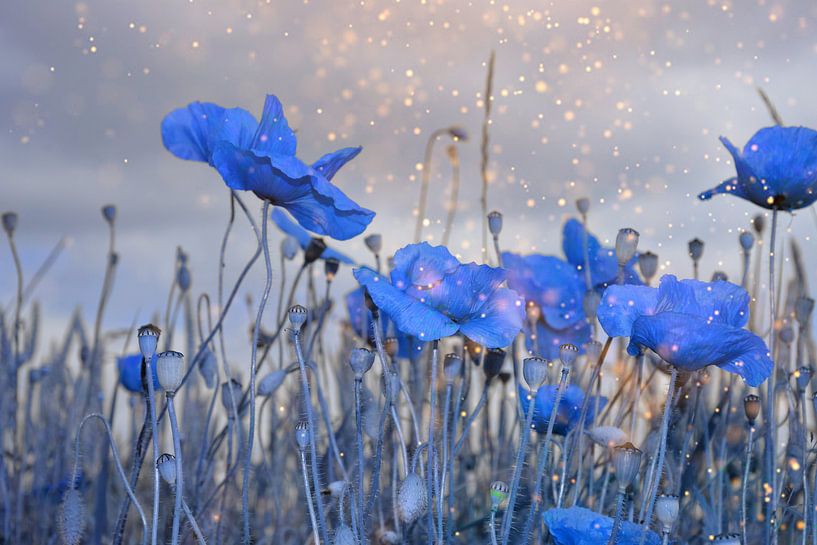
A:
(170, 370)
(411, 498)
(803, 377)
(208, 368)
(71, 522)
(183, 278)
(626, 245)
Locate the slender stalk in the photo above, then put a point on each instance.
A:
(771, 426)
(177, 451)
(492, 527)
(361, 461)
(195, 525)
(745, 483)
(308, 493)
(488, 100)
(151, 409)
(430, 477)
(619, 513)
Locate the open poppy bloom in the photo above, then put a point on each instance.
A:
(432, 295)
(580, 526)
(777, 169)
(260, 157)
(690, 324)
(603, 262)
(569, 412)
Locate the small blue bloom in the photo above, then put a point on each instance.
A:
(431, 295)
(580, 526)
(603, 262)
(260, 157)
(777, 169)
(285, 224)
(690, 324)
(360, 318)
(570, 408)
(557, 289)
(130, 372)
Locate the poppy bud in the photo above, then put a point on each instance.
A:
(535, 371)
(183, 278)
(208, 367)
(626, 245)
(648, 264)
(330, 267)
(786, 334)
(759, 223)
(751, 406)
(499, 493)
(148, 337)
(389, 538)
(71, 521)
(474, 350)
(704, 376)
(411, 498)
(727, 539)
(747, 240)
(719, 276)
(297, 316)
(302, 435)
(314, 250)
(458, 133)
(271, 382)
(666, 510)
(494, 359)
(289, 247)
(374, 243)
(627, 462)
(590, 304)
(391, 345)
(568, 353)
(344, 536)
(583, 205)
(10, 222)
(166, 464)
(170, 370)
(607, 436)
(803, 309)
(109, 213)
(361, 360)
(695, 249)
(452, 367)
(802, 376)
(495, 223)
(231, 391)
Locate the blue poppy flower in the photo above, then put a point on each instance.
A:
(130, 372)
(260, 157)
(431, 295)
(603, 262)
(285, 224)
(557, 290)
(777, 169)
(580, 526)
(360, 318)
(690, 324)
(570, 408)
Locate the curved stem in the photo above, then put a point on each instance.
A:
(195, 525)
(745, 483)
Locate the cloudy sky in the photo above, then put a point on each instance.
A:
(618, 100)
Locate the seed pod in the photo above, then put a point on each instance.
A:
(297, 316)
(10, 222)
(330, 268)
(695, 249)
(183, 278)
(271, 382)
(495, 223)
(389, 538)
(626, 245)
(627, 462)
(411, 498)
(607, 436)
(751, 406)
(302, 434)
(361, 360)
(208, 367)
(666, 510)
(727, 539)
(499, 493)
(314, 250)
(648, 264)
(374, 243)
(535, 371)
(231, 392)
(166, 464)
(452, 367)
(720, 276)
(759, 223)
(109, 213)
(583, 205)
(747, 240)
(148, 337)
(494, 359)
(568, 353)
(71, 520)
(170, 370)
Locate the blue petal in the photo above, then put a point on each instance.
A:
(422, 265)
(464, 291)
(580, 526)
(570, 408)
(602, 261)
(192, 132)
(285, 224)
(692, 342)
(727, 187)
(409, 315)
(719, 301)
(498, 320)
(274, 135)
(329, 164)
(573, 242)
(622, 305)
(548, 339)
(130, 372)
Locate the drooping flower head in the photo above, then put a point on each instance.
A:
(569, 412)
(777, 169)
(580, 526)
(130, 372)
(555, 289)
(286, 225)
(432, 295)
(690, 324)
(603, 262)
(260, 157)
